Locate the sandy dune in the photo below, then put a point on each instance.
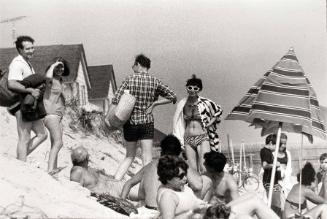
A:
(29, 183)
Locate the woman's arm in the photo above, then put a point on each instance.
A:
(323, 189)
(288, 170)
(167, 204)
(49, 73)
(132, 182)
(213, 120)
(313, 197)
(194, 180)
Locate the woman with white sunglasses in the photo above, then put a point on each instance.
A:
(195, 124)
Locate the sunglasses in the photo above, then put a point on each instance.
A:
(181, 175)
(192, 88)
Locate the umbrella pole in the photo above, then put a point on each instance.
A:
(240, 170)
(300, 164)
(272, 180)
(244, 156)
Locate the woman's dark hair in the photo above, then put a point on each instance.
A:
(195, 82)
(219, 211)
(66, 66)
(308, 174)
(143, 61)
(283, 135)
(170, 145)
(215, 161)
(168, 167)
(19, 41)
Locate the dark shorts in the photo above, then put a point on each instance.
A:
(138, 132)
(14, 108)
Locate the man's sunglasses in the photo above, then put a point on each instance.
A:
(181, 175)
(192, 88)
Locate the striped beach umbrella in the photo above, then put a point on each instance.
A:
(283, 100)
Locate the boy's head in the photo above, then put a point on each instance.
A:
(79, 156)
(143, 61)
(170, 145)
(271, 139)
(214, 161)
(323, 161)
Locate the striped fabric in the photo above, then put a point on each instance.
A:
(284, 95)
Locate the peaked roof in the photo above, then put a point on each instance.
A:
(44, 56)
(100, 77)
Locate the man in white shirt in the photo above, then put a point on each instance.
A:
(20, 68)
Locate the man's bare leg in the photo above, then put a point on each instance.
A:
(130, 156)
(146, 146)
(24, 136)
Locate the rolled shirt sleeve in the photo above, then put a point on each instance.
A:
(166, 92)
(15, 71)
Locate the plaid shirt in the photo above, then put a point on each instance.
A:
(146, 89)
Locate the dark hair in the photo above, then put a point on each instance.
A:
(218, 211)
(170, 145)
(195, 82)
(308, 174)
(283, 135)
(323, 157)
(66, 66)
(19, 41)
(168, 167)
(143, 61)
(271, 139)
(215, 161)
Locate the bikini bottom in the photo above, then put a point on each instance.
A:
(196, 140)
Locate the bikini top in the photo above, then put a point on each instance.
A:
(283, 160)
(195, 115)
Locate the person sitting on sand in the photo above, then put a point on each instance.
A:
(217, 185)
(243, 207)
(148, 178)
(174, 197)
(293, 205)
(94, 180)
(322, 176)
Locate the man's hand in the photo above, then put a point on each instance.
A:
(150, 109)
(34, 92)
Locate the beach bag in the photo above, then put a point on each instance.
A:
(7, 97)
(120, 113)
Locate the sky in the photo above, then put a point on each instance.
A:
(229, 44)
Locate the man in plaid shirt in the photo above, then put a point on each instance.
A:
(140, 126)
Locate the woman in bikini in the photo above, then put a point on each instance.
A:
(195, 124)
(54, 103)
(292, 205)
